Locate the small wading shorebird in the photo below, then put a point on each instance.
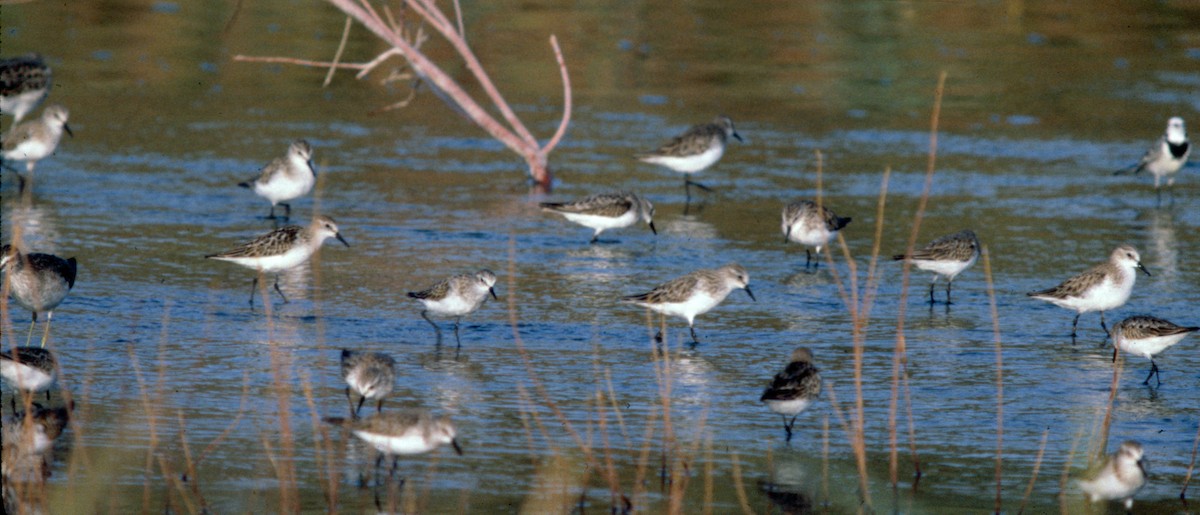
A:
(456, 296)
(39, 282)
(693, 294)
(34, 140)
(1119, 478)
(693, 151)
(605, 211)
(402, 433)
(281, 249)
(45, 425)
(1165, 157)
(946, 257)
(24, 83)
(29, 369)
(285, 178)
(370, 374)
(1101, 288)
(794, 389)
(812, 226)
(1146, 336)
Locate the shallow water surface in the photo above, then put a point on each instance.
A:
(555, 381)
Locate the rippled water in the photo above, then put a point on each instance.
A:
(1042, 103)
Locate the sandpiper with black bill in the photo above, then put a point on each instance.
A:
(605, 211)
(794, 389)
(693, 151)
(456, 296)
(946, 257)
(282, 249)
(693, 294)
(35, 140)
(29, 369)
(1146, 336)
(1119, 478)
(1101, 288)
(808, 224)
(38, 282)
(24, 83)
(370, 374)
(285, 178)
(1165, 157)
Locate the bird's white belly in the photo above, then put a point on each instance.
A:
(603, 222)
(284, 187)
(690, 164)
(30, 150)
(452, 306)
(792, 407)
(1148, 347)
(25, 377)
(812, 235)
(289, 259)
(408, 443)
(697, 304)
(945, 268)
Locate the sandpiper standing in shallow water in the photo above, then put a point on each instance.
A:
(808, 224)
(1165, 157)
(1145, 336)
(24, 83)
(693, 151)
(281, 249)
(370, 374)
(605, 211)
(693, 294)
(29, 369)
(794, 389)
(946, 257)
(1101, 288)
(1119, 478)
(285, 178)
(34, 140)
(39, 282)
(456, 296)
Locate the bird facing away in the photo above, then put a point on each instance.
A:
(284, 248)
(456, 296)
(696, 149)
(1146, 336)
(285, 178)
(29, 369)
(39, 282)
(794, 389)
(1101, 288)
(370, 374)
(946, 257)
(413, 431)
(34, 140)
(693, 294)
(808, 224)
(605, 211)
(44, 426)
(24, 83)
(1119, 478)
(1168, 155)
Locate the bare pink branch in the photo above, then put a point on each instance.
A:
(299, 62)
(439, 22)
(376, 62)
(337, 56)
(562, 126)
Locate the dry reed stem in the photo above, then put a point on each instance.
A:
(1191, 466)
(1037, 465)
(1066, 473)
(612, 396)
(610, 468)
(991, 293)
(322, 445)
(825, 461)
(639, 478)
(151, 423)
(900, 354)
(232, 425)
(738, 487)
(856, 445)
(708, 474)
(172, 479)
(189, 464)
(1118, 367)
